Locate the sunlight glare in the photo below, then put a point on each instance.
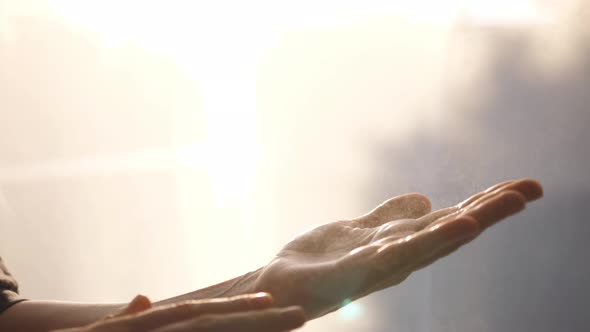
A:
(351, 310)
(189, 34)
(219, 46)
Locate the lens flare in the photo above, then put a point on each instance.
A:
(351, 310)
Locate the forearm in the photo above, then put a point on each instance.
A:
(244, 284)
(43, 316)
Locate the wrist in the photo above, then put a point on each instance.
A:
(244, 284)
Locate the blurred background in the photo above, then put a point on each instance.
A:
(163, 146)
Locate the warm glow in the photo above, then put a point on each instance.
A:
(297, 100)
(229, 82)
(192, 35)
(220, 45)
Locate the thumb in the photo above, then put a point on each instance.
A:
(408, 206)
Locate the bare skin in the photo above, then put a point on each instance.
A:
(345, 260)
(327, 266)
(246, 313)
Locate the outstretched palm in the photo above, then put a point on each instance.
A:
(341, 261)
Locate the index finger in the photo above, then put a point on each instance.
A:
(269, 320)
(404, 254)
(169, 314)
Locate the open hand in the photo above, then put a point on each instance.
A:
(335, 263)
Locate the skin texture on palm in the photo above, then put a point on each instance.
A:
(327, 266)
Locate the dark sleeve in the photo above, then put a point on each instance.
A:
(8, 289)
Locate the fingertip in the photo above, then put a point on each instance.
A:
(531, 189)
(261, 300)
(139, 303)
(513, 198)
(425, 201)
(141, 299)
(261, 294)
(500, 206)
(419, 204)
(293, 316)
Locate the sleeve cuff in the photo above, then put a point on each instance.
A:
(8, 299)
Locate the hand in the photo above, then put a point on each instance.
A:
(241, 313)
(330, 265)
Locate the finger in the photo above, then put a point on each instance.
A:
(269, 320)
(488, 195)
(405, 253)
(362, 258)
(395, 261)
(489, 190)
(408, 206)
(474, 199)
(138, 304)
(390, 260)
(500, 202)
(529, 188)
(436, 215)
(395, 228)
(186, 310)
(491, 209)
(504, 204)
(443, 253)
(358, 257)
(426, 261)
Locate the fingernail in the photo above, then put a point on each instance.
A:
(261, 300)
